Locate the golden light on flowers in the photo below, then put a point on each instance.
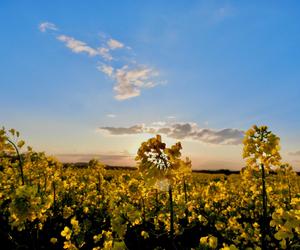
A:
(94, 208)
(157, 162)
(159, 159)
(261, 146)
(152, 161)
(261, 151)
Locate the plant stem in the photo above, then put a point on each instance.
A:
(99, 183)
(264, 218)
(185, 199)
(20, 160)
(54, 194)
(171, 216)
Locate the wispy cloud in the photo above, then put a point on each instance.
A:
(129, 77)
(77, 46)
(227, 136)
(130, 81)
(114, 44)
(81, 47)
(106, 69)
(43, 27)
(104, 52)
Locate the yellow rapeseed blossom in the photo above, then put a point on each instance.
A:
(66, 233)
(144, 234)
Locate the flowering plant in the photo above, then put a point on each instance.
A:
(158, 163)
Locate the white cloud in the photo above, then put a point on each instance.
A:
(114, 44)
(106, 69)
(136, 129)
(129, 82)
(227, 136)
(77, 46)
(81, 47)
(104, 52)
(129, 76)
(111, 115)
(43, 27)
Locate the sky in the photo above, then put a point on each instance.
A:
(85, 79)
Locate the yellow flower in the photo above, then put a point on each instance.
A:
(69, 245)
(108, 244)
(203, 240)
(85, 210)
(66, 233)
(144, 234)
(213, 242)
(75, 225)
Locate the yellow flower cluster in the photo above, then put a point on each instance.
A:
(93, 208)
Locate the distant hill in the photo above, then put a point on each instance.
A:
(130, 168)
(109, 167)
(216, 171)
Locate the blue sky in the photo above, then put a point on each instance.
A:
(81, 79)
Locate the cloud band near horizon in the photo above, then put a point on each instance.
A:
(181, 131)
